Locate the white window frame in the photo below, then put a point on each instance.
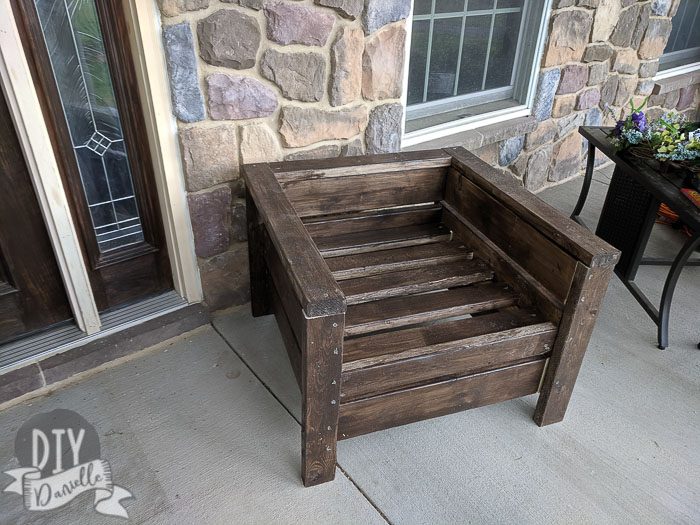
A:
(683, 68)
(484, 119)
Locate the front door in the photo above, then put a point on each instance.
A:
(83, 68)
(31, 291)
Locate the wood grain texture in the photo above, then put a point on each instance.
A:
(507, 270)
(414, 309)
(260, 285)
(291, 344)
(575, 329)
(370, 241)
(310, 277)
(411, 257)
(542, 258)
(567, 234)
(438, 399)
(365, 191)
(321, 362)
(407, 282)
(339, 224)
(459, 357)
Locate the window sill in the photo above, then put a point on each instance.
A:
(665, 83)
(477, 137)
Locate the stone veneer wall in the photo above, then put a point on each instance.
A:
(261, 80)
(265, 80)
(599, 53)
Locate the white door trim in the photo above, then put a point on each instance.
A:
(151, 70)
(22, 99)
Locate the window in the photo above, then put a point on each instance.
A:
(470, 57)
(683, 45)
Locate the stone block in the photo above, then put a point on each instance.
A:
(625, 90)
(597, 73)
(538, 168)
(655, 38)
(567, 158)
(297, 24)
(588, 98)
(352, 149)
(568, 37)
(686, 96)
(347, 8)
(210, 214)
(594, 117)
(544, 97)
(488, 153)
(648, 68)
(251, 4)
(346, 66)
(383, 62)
(661, 7)
(625, 61)
(383, 133)
(259, 144)
(566, 125)
(300, 76)
(209, 155)
(609, 90)
(546, 132)
(188, 102)
(239, 224)
(237, 98)
(322, 152)
(563, 105)
(641, 27)
(226, 278)
(378, 13)
(509, 149)
(301, 127)
(229, 38)
(622, 34)
(177, 7)
(644, 87)
(606, 17)
(597, 53)
(573, 78)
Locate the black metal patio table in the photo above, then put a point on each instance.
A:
(636, 190)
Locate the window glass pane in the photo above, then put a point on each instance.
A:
(419, 55)
(476, 40)
(504, 44)
(76, 51)
(477, 5)
(685, 32)
(422, 7)
(447, 33)
(449, 6)
(503, 4)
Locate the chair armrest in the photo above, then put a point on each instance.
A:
(314, 286)
(570, 236)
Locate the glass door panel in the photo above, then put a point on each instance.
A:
(76, 51)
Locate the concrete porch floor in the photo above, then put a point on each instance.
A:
(204, 429)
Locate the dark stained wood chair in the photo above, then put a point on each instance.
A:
(413, 285)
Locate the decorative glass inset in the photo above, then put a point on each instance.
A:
(76, 51)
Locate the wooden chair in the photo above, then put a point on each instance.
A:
(413, 285)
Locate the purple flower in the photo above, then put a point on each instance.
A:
(618, 128)
(640, 121)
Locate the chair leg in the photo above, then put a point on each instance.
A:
(321, 350)
(260, 292)
(586, 293)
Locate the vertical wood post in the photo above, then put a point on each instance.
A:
(583, 303)
(322, 354)
(260, 291)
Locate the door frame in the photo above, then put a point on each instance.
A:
(23, 101)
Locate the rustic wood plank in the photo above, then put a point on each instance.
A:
(414, 309)
(507, 270)
(438, 399)
(365, 191)
(290, 341)
(382, 345)
(311, 279)
(321, 361)
(369, 241)
(580, 313)
(412, 367)
(348, 166)
(365, 264)
(374, 220)
(260, 301)
(570, 236)
(542, 258)
(408, 282)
